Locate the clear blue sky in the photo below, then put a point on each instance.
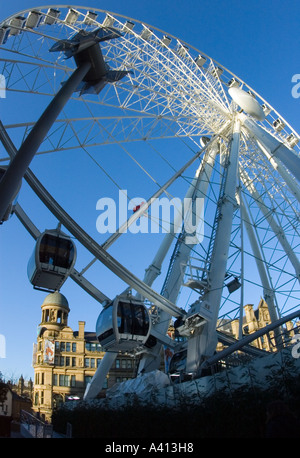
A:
(258, 41)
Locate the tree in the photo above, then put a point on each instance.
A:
(3, 389)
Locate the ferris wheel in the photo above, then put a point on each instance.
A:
(120, 111)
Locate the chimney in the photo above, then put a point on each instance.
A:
(81, 325)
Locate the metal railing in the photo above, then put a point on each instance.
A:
(34, 427)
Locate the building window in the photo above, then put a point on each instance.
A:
(98, 362)
(67, 361)
(117, 364)
(86, 362)
(36, 398)
(42, 397)
(87, 379)
(64, 380)
(73, 361)
(68, 346)
(74, 347)
(92, 362)
(92, 346)
(55, 380)
(73, 380)
(59, 316)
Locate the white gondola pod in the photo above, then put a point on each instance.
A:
(4, 34)
(17, 25)
(34, 19)
(52, 261)
(123, 325)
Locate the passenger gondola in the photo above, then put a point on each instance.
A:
(123, 325)
(52, 260)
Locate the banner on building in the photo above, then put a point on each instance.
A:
(49, 351)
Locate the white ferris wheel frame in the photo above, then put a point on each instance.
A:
(204, 108)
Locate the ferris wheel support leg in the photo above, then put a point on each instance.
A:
(202, 344)
(287, 177)
(20, 163)
(198, 188)
(268, 291)
(277, 149)
(97, 382)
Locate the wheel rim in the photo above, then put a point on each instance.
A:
(167, 97)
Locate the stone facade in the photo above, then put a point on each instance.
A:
(66, 360)
(256, 319)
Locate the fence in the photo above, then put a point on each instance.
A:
(34, 427)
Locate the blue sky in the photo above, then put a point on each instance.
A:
(258, 41)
